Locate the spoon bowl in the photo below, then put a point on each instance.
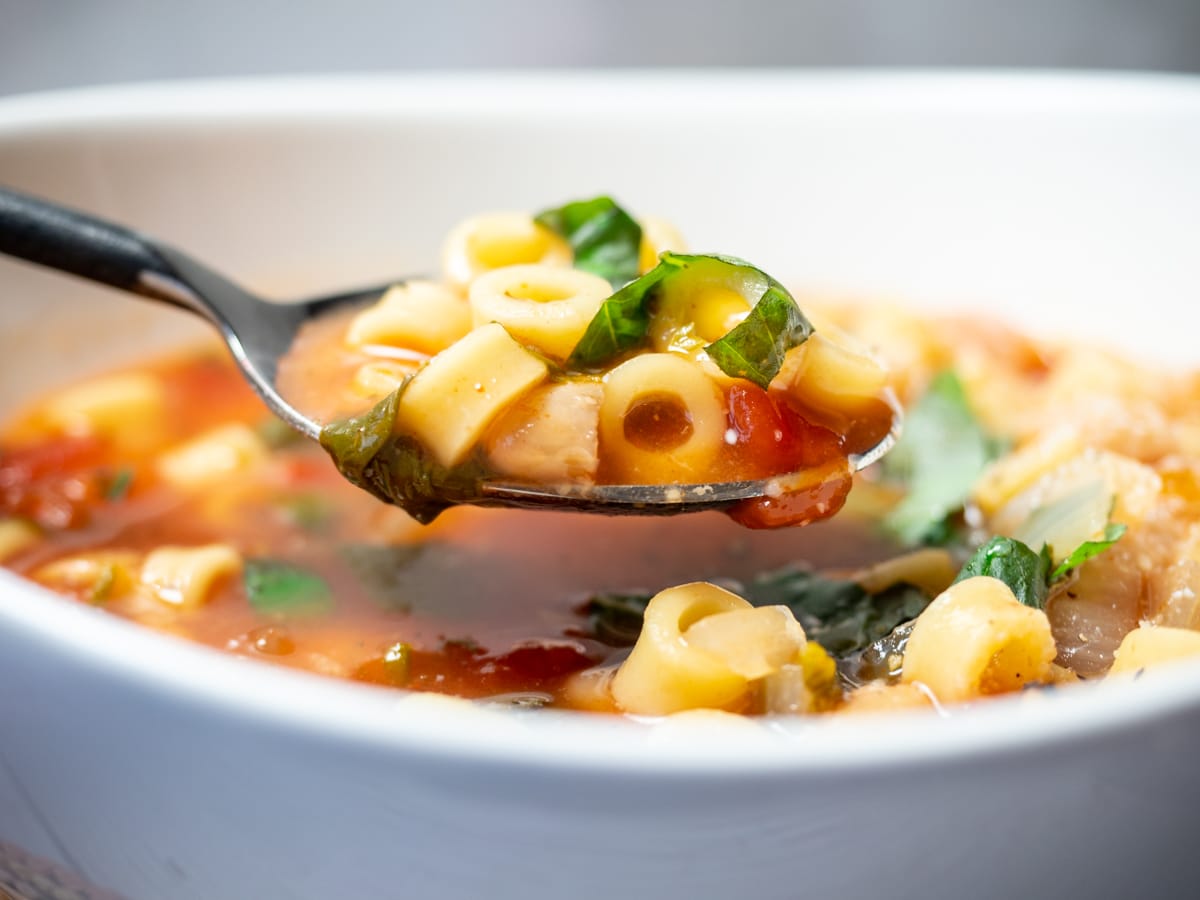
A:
(258, 332)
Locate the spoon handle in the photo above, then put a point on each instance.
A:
(41, 232)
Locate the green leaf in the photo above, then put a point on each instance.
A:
(622, 321)
(755, 349)
(604, 238)
(279, 588)
(836, 613)
(616, 618)
(1017, 565)
(397, 468)
(939, 456)
(118, 484)
(1088, 549)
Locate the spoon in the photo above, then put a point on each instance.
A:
(258, 332)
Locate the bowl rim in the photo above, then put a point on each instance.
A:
(400, 723)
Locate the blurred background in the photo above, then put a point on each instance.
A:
(62, 43)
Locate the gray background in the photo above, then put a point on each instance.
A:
(61, 43)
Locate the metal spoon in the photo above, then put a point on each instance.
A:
(258, 332)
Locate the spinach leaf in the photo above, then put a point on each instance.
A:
(616, 618)
(622, 321)
(1029, 574)
(117, 484)
(604, 238)
(836, 613)
(397, 468)
(1017, 565)
(1088, 549)
(939, 456)
(280, 588)
(755, 349)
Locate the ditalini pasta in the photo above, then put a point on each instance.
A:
(1037, 524)
(705, 368)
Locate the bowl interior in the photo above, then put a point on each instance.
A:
(1065, 204)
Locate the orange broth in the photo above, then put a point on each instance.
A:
(488, 602)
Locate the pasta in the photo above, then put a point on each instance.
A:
(703, 364)
(661, 419)
(1151, 646)
(702, 647)
(977, 639)
(216, 454)
(547, 307)
(185, 576)
(1038, 523)
(496, 240)
(452, 400)
(425, 316)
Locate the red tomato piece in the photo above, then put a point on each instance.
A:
(52, 483)
(772, 438)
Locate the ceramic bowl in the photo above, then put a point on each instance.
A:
(156, 770)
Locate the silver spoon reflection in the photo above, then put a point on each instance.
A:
(259, 333)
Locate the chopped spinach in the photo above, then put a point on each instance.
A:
(1088, 549)
(397, 468)
(616, 618)
(622, 321)
(117, 484)
(752, 350)
(279, 588)
(755, 349)
(938, 458)
(836, 613)
(604, 238)
(1027, 573)
(1017, 565)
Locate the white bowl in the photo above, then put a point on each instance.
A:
(161, 770)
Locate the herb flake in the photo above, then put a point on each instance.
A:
(1016, 564)
(1089, 549)
(274, 587)
(755, 349)
(396, 467)
(604, 238)
(939, 457)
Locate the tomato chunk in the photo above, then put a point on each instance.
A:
(769, 437)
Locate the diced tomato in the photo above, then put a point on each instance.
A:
(52, 483)
(473, 672)
(538, 661)
(827, 494)
(763, 440)
(772, 438)
(815, 444)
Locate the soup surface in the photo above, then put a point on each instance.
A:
(1038, 522)
(167, 495)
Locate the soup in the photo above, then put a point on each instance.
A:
(576, 348)
(1038, 524)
